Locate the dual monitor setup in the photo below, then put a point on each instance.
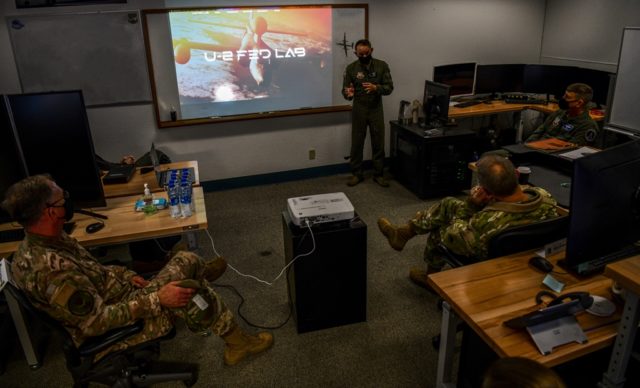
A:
(473, 82)
(49, 133)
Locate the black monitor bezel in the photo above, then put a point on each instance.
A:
(440, 73)
(605, 209)
(436, 89)
(89, 191)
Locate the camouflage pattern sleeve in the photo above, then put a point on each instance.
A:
(121, 271)
(73, 299)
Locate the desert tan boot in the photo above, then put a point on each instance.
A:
(396, 235)
(239, 345)
(419, 277)
(214, 269)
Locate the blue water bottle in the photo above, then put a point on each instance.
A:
(185, 199)
(174, 199)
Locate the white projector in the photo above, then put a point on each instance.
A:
(320, 208)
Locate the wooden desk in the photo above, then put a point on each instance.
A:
(486, 294)
(495, 107)
(125, 224)
(135, 185)
(627, 274)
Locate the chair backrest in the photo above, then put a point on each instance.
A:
(526, 237)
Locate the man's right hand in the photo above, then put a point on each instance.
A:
(479, 196)
(349, 91)
(172, 296)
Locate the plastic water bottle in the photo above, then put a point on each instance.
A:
(185, 199)
(174, 199)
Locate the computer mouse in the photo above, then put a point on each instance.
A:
(541, 263)
(96, 226)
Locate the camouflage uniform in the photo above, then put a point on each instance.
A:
(581, 129)
(367, 110)
(64, 280)
(465, 229)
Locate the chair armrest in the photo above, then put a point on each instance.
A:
(95, 345)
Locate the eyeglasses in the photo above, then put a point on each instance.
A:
(65, 196)
(362, 55)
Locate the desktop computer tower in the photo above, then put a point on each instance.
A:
(327, 288)
(431, 166)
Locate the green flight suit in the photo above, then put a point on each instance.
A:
(64, 280)
(465, 229)
(581, 129)
(367, 111)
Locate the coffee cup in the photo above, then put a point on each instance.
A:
(523, 175)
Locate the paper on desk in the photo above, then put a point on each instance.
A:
(578, 153)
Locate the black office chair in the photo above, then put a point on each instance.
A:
(516, 239)
(132, 367)
(511, 240)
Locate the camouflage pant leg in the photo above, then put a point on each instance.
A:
(215, 316)
(432, 255)
(154, 327)
(183, 265)
(438, 215)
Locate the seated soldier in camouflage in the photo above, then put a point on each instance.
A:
(465, 227)
(61, 278)
(572, 121)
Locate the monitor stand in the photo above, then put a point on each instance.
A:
(90, 213)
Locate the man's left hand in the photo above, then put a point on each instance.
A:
(139, 282)
(369, 87)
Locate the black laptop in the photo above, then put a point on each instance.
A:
(164, 176)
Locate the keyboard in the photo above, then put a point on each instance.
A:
(467, 103)
(12, 235)
(522, 101)
(598, 264)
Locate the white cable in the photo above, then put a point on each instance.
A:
(283, 269)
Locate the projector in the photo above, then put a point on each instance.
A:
(320, 208)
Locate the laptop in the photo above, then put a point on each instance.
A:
(119, 173)
(163, 177)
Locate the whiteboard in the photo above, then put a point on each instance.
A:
(100, 53)
(624, 113)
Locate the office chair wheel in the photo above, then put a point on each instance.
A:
(35, 366)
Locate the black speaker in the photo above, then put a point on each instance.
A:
(328, 287)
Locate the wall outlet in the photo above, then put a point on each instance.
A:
(312, 154)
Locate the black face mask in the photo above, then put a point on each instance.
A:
(68, 210)
(563, 104)
(365, 60)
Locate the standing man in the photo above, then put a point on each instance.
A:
(365, 82)
(571, 122)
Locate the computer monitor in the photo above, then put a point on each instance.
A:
(605, 205)
(435, 103)
(54, 135)
(598, 80)
(548, 79)
(493, 79)
(11, 164)
(460, 77)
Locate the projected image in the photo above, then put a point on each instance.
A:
(238, 61)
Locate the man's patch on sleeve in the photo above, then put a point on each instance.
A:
(80, 303)
(590, 135)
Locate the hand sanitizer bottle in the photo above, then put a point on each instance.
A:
(147, 198)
